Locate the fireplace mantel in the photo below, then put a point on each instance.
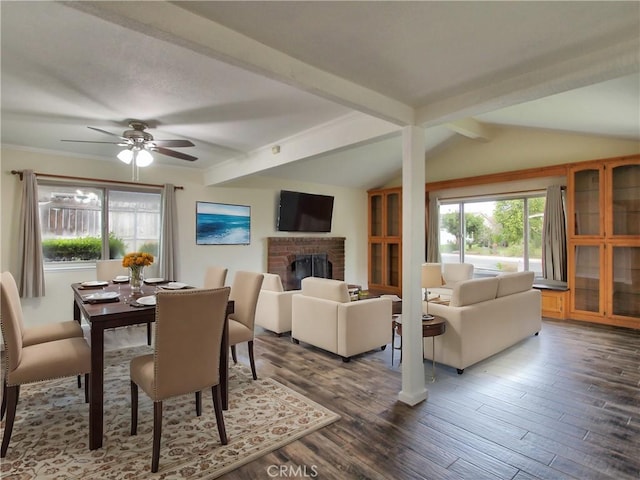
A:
(282, 251)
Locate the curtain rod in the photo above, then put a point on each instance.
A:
(89, 179)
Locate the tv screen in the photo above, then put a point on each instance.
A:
(304, 212)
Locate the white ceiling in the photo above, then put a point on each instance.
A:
(332, 83)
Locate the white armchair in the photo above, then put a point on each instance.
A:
(273, 311)
(452, 273)
(323, 315)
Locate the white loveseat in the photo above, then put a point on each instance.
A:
(484, 317)
(273, 311)
(324, 316)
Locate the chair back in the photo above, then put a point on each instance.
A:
(244, 292)
(11, 320)
(272, 282)
(109, 269)
(214, 277)
(189, 325)
(335, 290)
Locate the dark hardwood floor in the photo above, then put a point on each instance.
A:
(561, 405)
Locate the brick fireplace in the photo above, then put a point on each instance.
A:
(283, 253)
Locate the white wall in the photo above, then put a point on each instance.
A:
(349, 221)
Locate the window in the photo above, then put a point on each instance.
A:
(81, 223)
(501, 234)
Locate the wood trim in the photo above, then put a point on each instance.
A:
(525, 174)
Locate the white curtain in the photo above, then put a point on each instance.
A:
(169, 235)
(554, 236)
(31, 283)
(433, 232)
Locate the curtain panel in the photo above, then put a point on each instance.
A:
(31, 283)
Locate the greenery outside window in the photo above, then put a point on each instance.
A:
(83, 223)
(496, 235)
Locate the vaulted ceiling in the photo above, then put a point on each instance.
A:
(331, 83)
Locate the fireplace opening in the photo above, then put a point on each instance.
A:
(312, 265)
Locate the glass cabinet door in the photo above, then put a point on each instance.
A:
(587, 218)
(375, 263)
(587, 278)
(375, 221)
(625, 193)
(626, 281)
(393, 215)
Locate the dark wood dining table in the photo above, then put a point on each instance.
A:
(121, 313)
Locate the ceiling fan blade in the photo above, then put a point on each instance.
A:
(173, 143)
(173, 153)
(107, 133)
(91, 141)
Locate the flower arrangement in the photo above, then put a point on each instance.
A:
(135, 260)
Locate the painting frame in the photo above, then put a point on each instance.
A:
(222, 223)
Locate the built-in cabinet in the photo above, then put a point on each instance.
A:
(385, 241)
(604, 241)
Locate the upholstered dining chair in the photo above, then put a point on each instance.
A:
(245, 290)
(37, 334)
(66, 357)
(215, 277)
(109, 269)
(186, 358)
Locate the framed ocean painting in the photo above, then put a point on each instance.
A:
(222, 224)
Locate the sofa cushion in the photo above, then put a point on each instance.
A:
(510, 283)
(474, 291)
(328, 289)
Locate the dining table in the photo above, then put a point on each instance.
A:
(122, 310)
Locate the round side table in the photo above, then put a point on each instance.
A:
(430, 328)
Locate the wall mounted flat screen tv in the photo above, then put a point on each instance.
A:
(304, 212)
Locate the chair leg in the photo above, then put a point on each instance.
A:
(148, 333)
(79, 381)
(251, 360)
(157, 433)
(87, 382)
(198, 404)
(233, 354)
(217, 406)
(3, 408)
(134, 408)
(13, 393)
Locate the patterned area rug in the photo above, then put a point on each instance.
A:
(50, 434)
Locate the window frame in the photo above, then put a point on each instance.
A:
(104, 217)
(495, 197)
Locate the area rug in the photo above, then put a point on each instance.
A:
(50, 434)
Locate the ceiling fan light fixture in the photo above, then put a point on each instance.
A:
(126, 156)
(143, 158)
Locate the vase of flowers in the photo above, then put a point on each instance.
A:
(135, 262)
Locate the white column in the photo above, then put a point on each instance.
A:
(413, 242)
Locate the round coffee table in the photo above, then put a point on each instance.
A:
(430, 328)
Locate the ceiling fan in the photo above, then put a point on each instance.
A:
(138, 143)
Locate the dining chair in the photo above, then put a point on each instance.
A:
(245, 290)
(186, 358)
(107, 270)
(215, 277)
(37, 362)
(37, 334)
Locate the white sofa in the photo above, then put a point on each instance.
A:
(273, 311)
(484, 317)
(324, 316)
